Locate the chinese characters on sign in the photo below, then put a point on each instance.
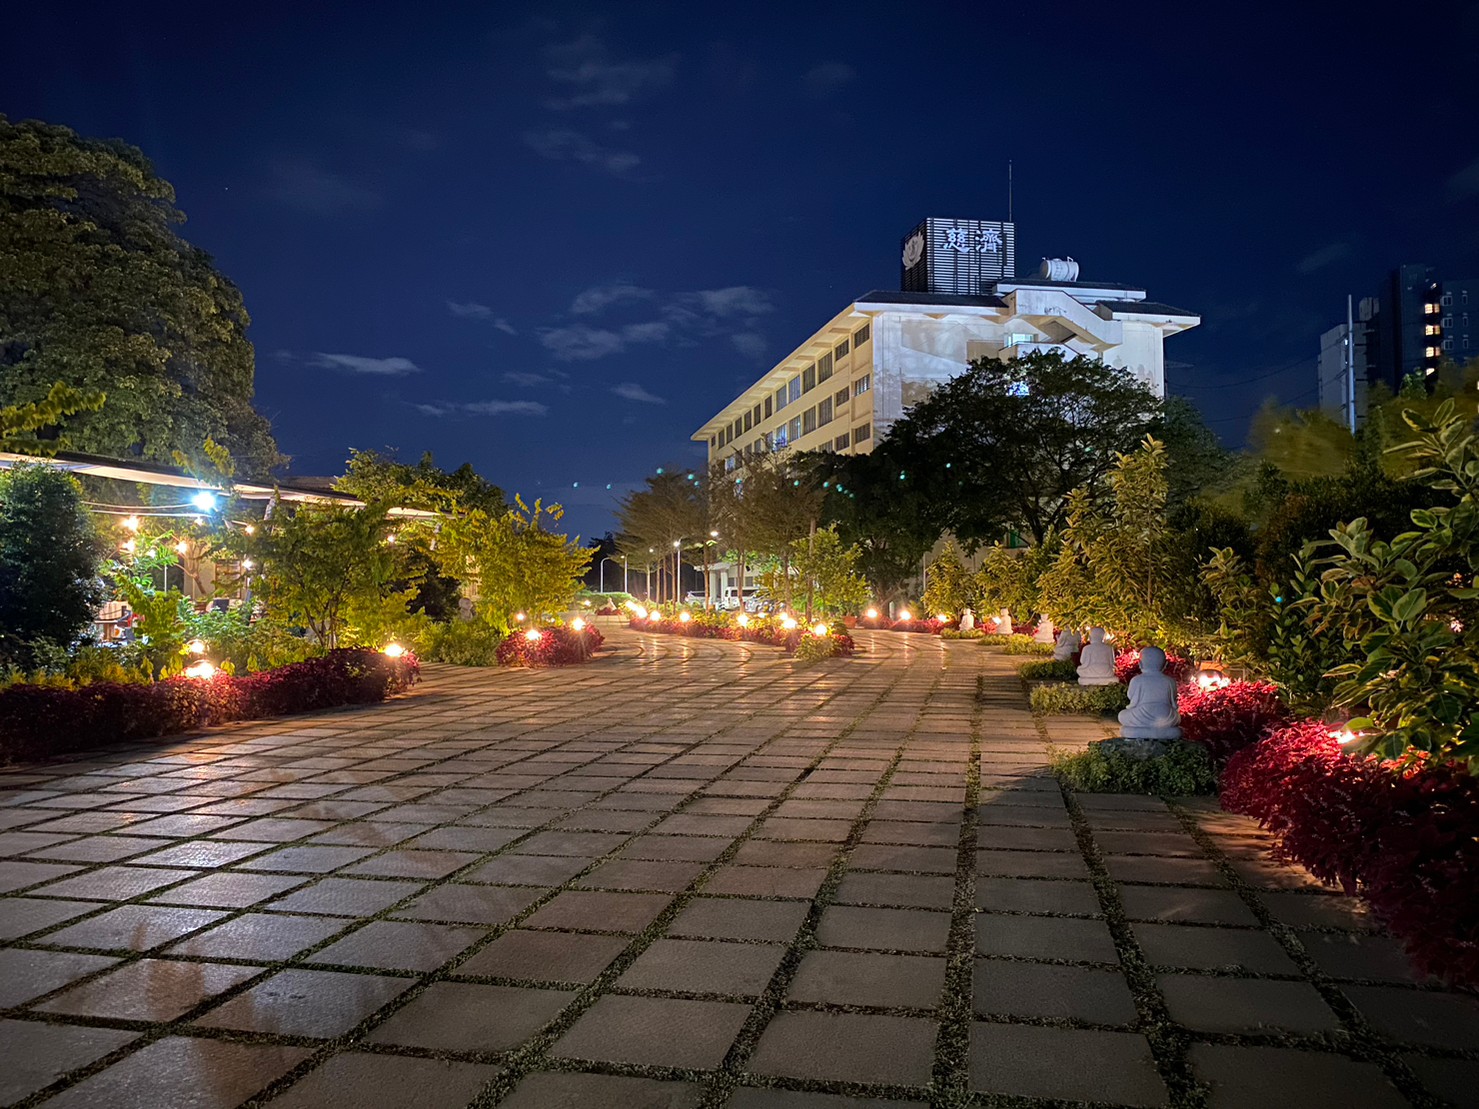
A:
(987, 241)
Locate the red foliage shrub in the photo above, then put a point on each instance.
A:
(556, 646)
(1228, 719)
(1127, 665)
(36, 721)
(1404, 836)
(927, 627)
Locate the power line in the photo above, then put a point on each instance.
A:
(1250, 380)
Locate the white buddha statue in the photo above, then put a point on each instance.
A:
(1045, 630)
(1069, 641)
(1152, 713)
(967, 621)
(1003, 622)
(1096, 661)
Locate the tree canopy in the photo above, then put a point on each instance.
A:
(1003, 444)
(102, 295)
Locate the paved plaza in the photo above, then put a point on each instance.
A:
(692, 873)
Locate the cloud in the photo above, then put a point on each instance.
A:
(654, 332)
(504, 326)
(630, 390)
(358, 364)
(600, 297)
(470, 311)
(750, 343)
(1325, 256)
(596, 80)
(737, 300)
(826, 78)
(318, 191)
(563, 145)
(527, 380)
(446, 409)
(580, 343)
(1465, 182)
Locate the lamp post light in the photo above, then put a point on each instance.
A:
(678, 571)
(607, 558)
(708, 577)
(650, 552)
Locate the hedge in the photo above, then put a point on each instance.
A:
(37, 721)
(554, 646)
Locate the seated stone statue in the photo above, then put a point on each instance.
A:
(1096, 662)
(967, 621)
(1069, 641)
(1003, 622)
(1044, 633)
(1152, 713)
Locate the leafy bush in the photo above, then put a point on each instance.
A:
(1402, 835)
(461, 643)
(1226, 720)
(956, 633)
(1083, 700)
(42, 720)
(1018, 644)
(1185, 769)
(925, 627)
(1053, 670)
(814, 648)
(554, 646)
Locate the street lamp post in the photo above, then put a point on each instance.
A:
(606, 559)
(678, 571)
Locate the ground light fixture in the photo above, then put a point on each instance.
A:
(942, 618)
(871, 614)
(196, 646)
(685, 617)
(131, 522)
(393, 650)
(819, 629)
(533, 635)
(130, 545)
(788, 622)
(743, 620)
(519, 617)
(205, 500)
(1343, 735)
(204, 670)
(578, 624)
(904, 615)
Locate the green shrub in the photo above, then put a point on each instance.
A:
(954, 633)
(461, 643)
(1053, 670)
(1083, 700)
(1024, 645)
(1185, 769)
(814, 648)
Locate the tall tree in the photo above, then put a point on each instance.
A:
(101, 294)
(1003, 444)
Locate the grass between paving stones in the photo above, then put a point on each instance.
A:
(1358, 1040)
(322, 1048)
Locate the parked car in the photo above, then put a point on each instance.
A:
(693, 597)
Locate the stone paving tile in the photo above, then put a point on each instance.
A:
(149, 989)
(766, 881)
(467, 1016)
(1027, 895)
(545, 956)
(400, 945)
(1245, 1004)
(790, 1099)
(1067, 1063)
(1418, 1016)
(1011, 989)
(1240, 949)
(183, 1073)
(1087, 941)
(1202, 906)
(727, 919)
(1257, 1077)
(29, 974)
(902, 890)
(1452, 1079)
(354, 1080)
(20, 916)
(229, 889)
(345, 897)
(134, 927)
(600, 911)
(889, 929)
(259, 937)
(847, 1047)
(657, 1031)
(882, 981)
(608, 1091)
(306, 1003)
(704, 966)
(37, 1054)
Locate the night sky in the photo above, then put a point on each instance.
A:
(553, 239)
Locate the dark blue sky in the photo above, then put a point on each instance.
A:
(553, 239)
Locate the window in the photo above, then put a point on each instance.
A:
(793, 390)
(1447, 344)
(795, 428)
(749, 450)
(756, 415)
(809, 421)
(841, 442)
(824, 411)
(769, 440)
(840, 398)
(780, 398)
(737, 430)
(767, 408)
(862, 433)
(862, 385)
(781, 438)
(824, 367)
(1430, 352)
(762, 444)
(729, 464)
(1447, 322)
(1431, 329)
(841, 351)
(749, 421)
(1430, 309)
(859, 337)
(1466, 342)
(713, 442)
(1447, 299)
(808, 379)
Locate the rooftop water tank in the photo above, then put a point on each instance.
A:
(1058, 269)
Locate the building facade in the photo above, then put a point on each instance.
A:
(1417, 321)
(846, 383)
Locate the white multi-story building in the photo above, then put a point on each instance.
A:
(853, 377)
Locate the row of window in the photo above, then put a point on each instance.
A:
(860, 434)
(742, 424)
(1463, 298)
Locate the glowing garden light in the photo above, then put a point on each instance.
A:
(130, 545)
(533, 635)
(182, 547)
(204, 670)
(205, 500)
(196, 646)
(904, 615)
(393, 650)
(819, 629)
(248, 564)
(942, 617)
(788, 622)
(743, 619)
(1343, 735)
(685, 617)
(519, 617)
(871, 614)
(578, 624)
(132, 523)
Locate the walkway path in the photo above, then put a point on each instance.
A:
(690, 874)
